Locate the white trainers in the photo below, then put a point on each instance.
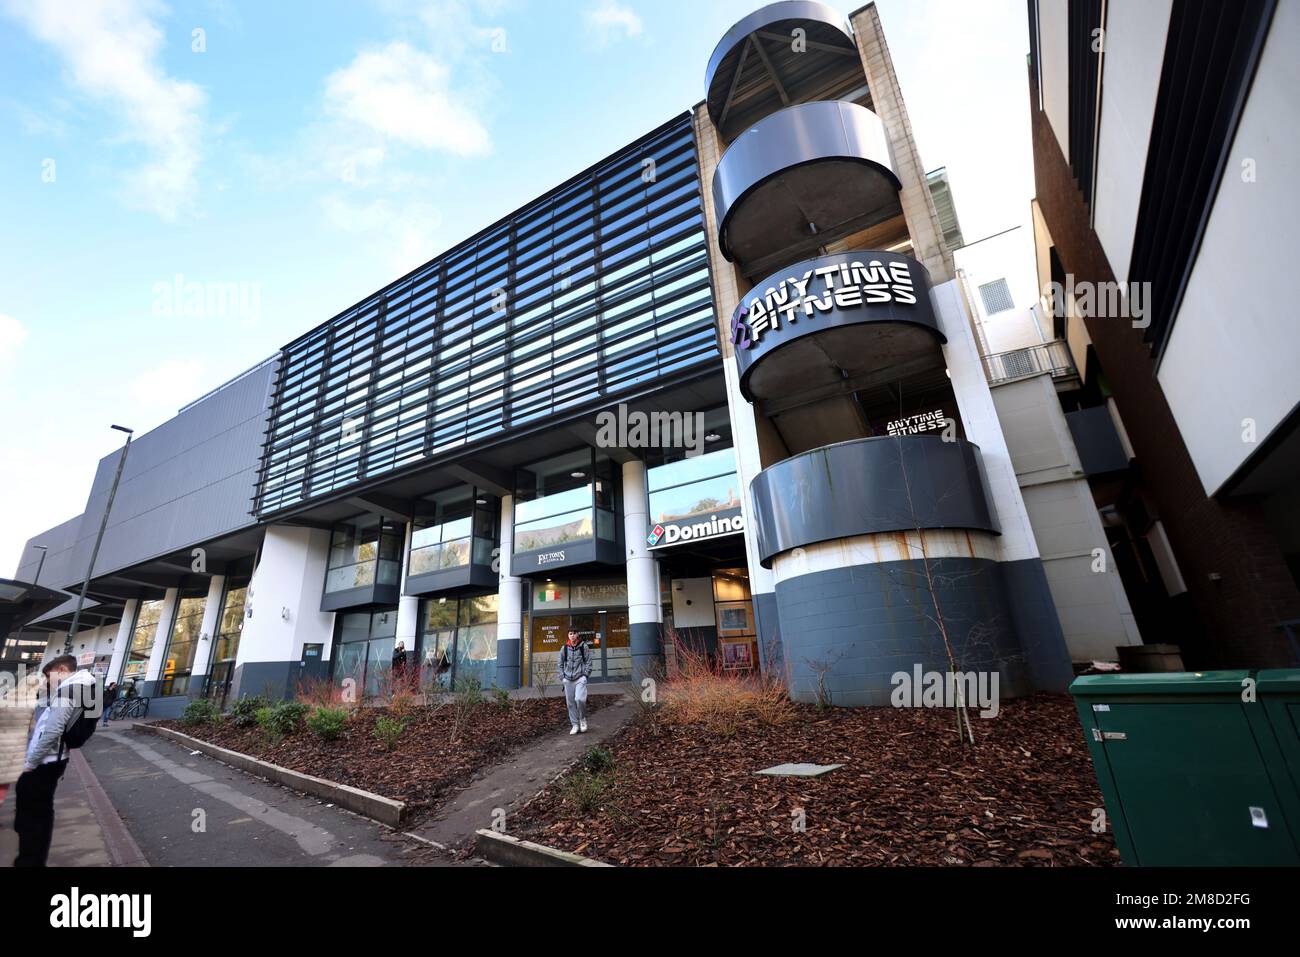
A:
(582, 726)
(573, 730)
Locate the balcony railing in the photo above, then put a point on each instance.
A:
(1053, 357)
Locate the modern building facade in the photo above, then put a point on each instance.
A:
(1162, 130)
(721, 390)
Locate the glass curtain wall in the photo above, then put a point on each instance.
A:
(143, 636)
(460, 527)
(458, 641)
(364, 552)
(178, 662)
(230, 627)
(682, 486)
(363, 653)
(567, 499)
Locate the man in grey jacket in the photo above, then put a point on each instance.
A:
(70, 693)
(575, 668)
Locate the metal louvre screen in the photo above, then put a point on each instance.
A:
(588, 294)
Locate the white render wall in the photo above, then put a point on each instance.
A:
(1092, 606)
(290, 575)
(980, 422)
(1231, 355)
(1054, 52)
(1136, 31)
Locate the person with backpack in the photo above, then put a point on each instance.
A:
(575, 669)
(67, 722)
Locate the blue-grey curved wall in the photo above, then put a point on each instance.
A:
(883, 484)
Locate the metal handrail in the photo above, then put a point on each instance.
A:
(1051, 357)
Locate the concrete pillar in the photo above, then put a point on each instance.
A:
(123, 640)
(1029, 598)
(282, 613)
(928, 245)
(744, 429)
(207, 634)
(408, 607)
(645, 610)
(510, 606)
(162, 637)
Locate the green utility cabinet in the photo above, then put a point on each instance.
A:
(1193, 773)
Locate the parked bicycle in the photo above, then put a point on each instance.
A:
(124, 708)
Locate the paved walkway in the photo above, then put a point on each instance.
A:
(512, 783)
(185, 809)
(88, 832)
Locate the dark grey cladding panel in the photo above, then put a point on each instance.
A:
(186, 482)
(797, 136)
(61, 543)
(766, 17)
(885, 484)
(830, 299)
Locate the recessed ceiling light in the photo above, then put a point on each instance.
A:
(713, 437)
(480, 501)
(577, 475)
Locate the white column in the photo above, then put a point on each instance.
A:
(161, 638)
(510, 605)
(207, 632)
(645, 611)
(123, 640)
(283, 613)
(408, 607)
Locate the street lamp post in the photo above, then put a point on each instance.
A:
(103, 524)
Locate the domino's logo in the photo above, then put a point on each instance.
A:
(656, 536)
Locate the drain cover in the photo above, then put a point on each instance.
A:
(800, 770)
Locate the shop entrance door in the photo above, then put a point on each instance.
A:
(607, 634)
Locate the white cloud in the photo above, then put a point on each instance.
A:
(12, 334)
(405, 95)
(410, 228)
(609, 21)
(111, 51)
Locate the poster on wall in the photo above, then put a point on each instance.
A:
(735, 619)
(737, 655)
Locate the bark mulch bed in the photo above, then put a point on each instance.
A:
(424, 766)
(907, 795)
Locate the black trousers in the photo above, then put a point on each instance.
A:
(34, 814)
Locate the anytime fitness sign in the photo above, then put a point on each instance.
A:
(844, 289)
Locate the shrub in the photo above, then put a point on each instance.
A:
(281, 719)
(598, 760)
(470, 690)
(327, 723)
(585, 790)
(502, 697)
(243, 714)
(322, 693)
(402, 703)
(702, 693)
(389, 731)
(201, 711)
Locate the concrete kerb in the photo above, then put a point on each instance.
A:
(510, 851)
(377, 808)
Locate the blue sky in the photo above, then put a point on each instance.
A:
(303, 155)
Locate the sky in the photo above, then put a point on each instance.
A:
(291, 158)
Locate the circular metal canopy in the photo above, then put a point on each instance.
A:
(784, 53)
